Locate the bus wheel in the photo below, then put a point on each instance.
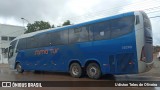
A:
(19, 68)
(75, 70)
(93, 71)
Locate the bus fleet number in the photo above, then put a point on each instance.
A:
(126, 47)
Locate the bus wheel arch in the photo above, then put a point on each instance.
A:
(18, 67)
(75, 69)
(93, 69)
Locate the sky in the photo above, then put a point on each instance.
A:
(77, 11)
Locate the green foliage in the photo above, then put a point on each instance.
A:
(53, 26)
(38, 25)
(41, 25)
(67, 23)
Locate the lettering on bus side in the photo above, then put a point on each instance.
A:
(54, 51)
(42, 52)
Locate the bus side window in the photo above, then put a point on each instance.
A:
(102, 31)
(21, 44)
(79, 34)
(91, 28)
(122, 26)
(43, 40)
(64, 37)
(55, 38)
(59, 37)
(32, 42)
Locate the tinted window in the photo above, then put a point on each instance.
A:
(21, 44)
(64, 37)
(137, 19)
(147, 28)
(59, 37)
(78, 34)
(32, 42)
(122, 26)
(147, 23)
(102, 31)
(91, 29)
(43, 40)
(13, 44)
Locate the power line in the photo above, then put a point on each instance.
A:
(109, 10)
(153, 11)
(154, 17)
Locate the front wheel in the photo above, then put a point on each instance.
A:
(19, 68)
(93, 71)
(75, 70)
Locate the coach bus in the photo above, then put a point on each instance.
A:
(120, 44)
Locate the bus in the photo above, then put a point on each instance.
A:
(120, 44)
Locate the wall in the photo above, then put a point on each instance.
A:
(8, 31)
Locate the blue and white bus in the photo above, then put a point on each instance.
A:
(120, 44)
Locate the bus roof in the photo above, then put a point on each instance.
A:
(72, 26)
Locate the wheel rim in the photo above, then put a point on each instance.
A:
(75, 70)
(93, 71)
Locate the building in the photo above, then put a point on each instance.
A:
(8, 33)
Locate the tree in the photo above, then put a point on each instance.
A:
(53, 26)
(67, 23)
(37, 25)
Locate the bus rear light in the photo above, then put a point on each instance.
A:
(131, 62)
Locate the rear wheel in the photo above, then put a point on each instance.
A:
(19, 68)
(75, 70)
(93, 71)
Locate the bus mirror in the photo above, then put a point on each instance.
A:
(10, 52)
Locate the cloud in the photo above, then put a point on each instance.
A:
(56, 11)
(86, 10)
(32, 10)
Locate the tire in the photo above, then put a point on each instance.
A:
(75, 70)
(19, 68)
(93, 71)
